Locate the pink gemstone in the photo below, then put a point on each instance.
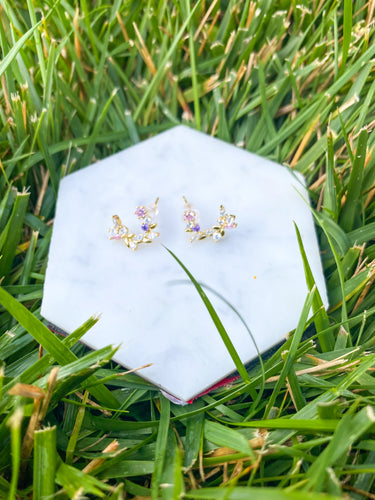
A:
(229, 226)
(189, 215)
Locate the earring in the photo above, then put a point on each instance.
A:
(146, 215)
(191, 218)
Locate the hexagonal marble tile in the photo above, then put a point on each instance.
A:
(146, 302)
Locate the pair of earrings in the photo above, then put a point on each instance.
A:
(146, 215)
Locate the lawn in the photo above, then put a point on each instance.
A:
(293, 82)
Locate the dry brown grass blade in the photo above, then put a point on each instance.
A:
(207, 35)
(204, 19)
(41, 402)
(77, 43)
(122, 27)
(146, 56)
(320, 368)
(365, 290)
(112, 447)
(301, 148)
(47, 398)
(42, 192)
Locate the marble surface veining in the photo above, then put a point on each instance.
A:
(145, 299)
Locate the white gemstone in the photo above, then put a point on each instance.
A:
(152, 235)
(209, 232)
(153, 210)
(222, 211)
(133, 245)
(148, 220)
(230, 220)
(140, 237)
(216, 236)
(113, 231)
(115, 221)
(122, 231)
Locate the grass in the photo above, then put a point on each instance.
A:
(290, 81)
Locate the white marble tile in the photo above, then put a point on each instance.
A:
(146, 302)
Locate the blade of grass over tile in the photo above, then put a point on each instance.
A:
(215, 318)
(45, 458)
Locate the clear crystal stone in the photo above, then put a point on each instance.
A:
(113, 231)
(133, 245)
(115, 220)
(140, 237)
(122, 231)
(153, 210)
(148, 220)
(216, 236)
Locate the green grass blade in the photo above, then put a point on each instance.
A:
(243, 493)
(320, 315)
(352, 205)
(347, 33)
(45, 457)
(12, 234)
(292, 352)
(15, 431)
(155, 82)
(49, 341)
(225, 436)
(161, 444)
(330, 194)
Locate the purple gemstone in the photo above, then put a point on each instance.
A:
(140, 212)
(196, 228)
(145, 227)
